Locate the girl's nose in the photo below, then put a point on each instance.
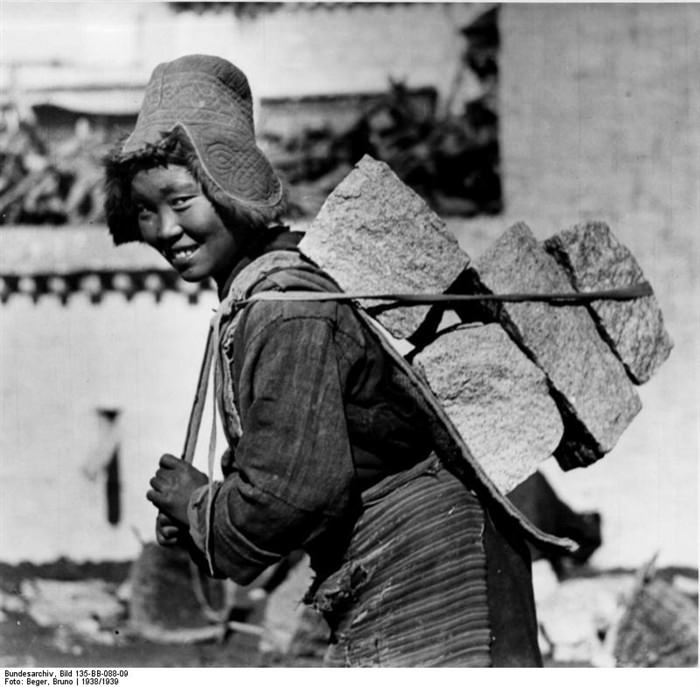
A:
(168, 224)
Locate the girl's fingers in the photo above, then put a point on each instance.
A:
(168, 461)
(164, 519)
(155, 498)
(166, 541)
(169, 532)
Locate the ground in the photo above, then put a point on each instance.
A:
(25, 643)
(577, 613)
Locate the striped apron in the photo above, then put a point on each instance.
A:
(412, 587)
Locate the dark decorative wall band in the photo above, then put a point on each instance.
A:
(96, 284)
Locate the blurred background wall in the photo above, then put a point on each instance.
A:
(600, 120)
(597, 117)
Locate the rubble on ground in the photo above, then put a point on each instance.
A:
(576, 616)
(12, 603)
(659, 627)
(157, 576)
(88, 604)
(616, 619)
(284, 614)
(76, 610)
(601, 618)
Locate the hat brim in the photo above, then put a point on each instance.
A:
(229, 157)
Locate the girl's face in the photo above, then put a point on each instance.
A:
(179, 221)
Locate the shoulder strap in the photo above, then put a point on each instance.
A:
(266, 266)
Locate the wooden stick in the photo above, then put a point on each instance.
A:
(199, 399)
(630, 292)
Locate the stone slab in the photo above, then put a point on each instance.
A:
(589, 383)
(51, 603)
(594, 259)
(497, 398)
(159, 575)
(375, 235)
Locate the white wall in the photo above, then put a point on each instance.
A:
(58, 364)
(293, 51)
(600, 111)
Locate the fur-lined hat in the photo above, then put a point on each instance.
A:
(204, 102)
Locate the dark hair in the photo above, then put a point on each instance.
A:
(172, 149)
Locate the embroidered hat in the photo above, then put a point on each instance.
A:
(205, 100)
(209, 99)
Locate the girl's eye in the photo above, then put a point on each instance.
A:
(181, 202)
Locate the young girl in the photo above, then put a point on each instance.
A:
(331, 450)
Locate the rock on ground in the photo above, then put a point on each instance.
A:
(578, 617)
(592, 390)
(285, 609)
(375, 235)
(13, 603)
(659, 628)
(497, 398)
(163, 590)
(594, 259)
(79, 603)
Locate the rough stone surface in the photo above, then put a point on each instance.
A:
(374, 234)
(592, 390)
(658, 629)
(60, 602)
(577, 617)
(284, 610)
(497, 398)
(158, 576)
(594, 259)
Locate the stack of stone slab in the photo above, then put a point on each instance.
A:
(527, 380)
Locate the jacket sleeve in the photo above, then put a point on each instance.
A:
(293, 474)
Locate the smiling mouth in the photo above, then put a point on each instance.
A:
(181, 254)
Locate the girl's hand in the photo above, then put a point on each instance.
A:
(172, 486)
(168, 532)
